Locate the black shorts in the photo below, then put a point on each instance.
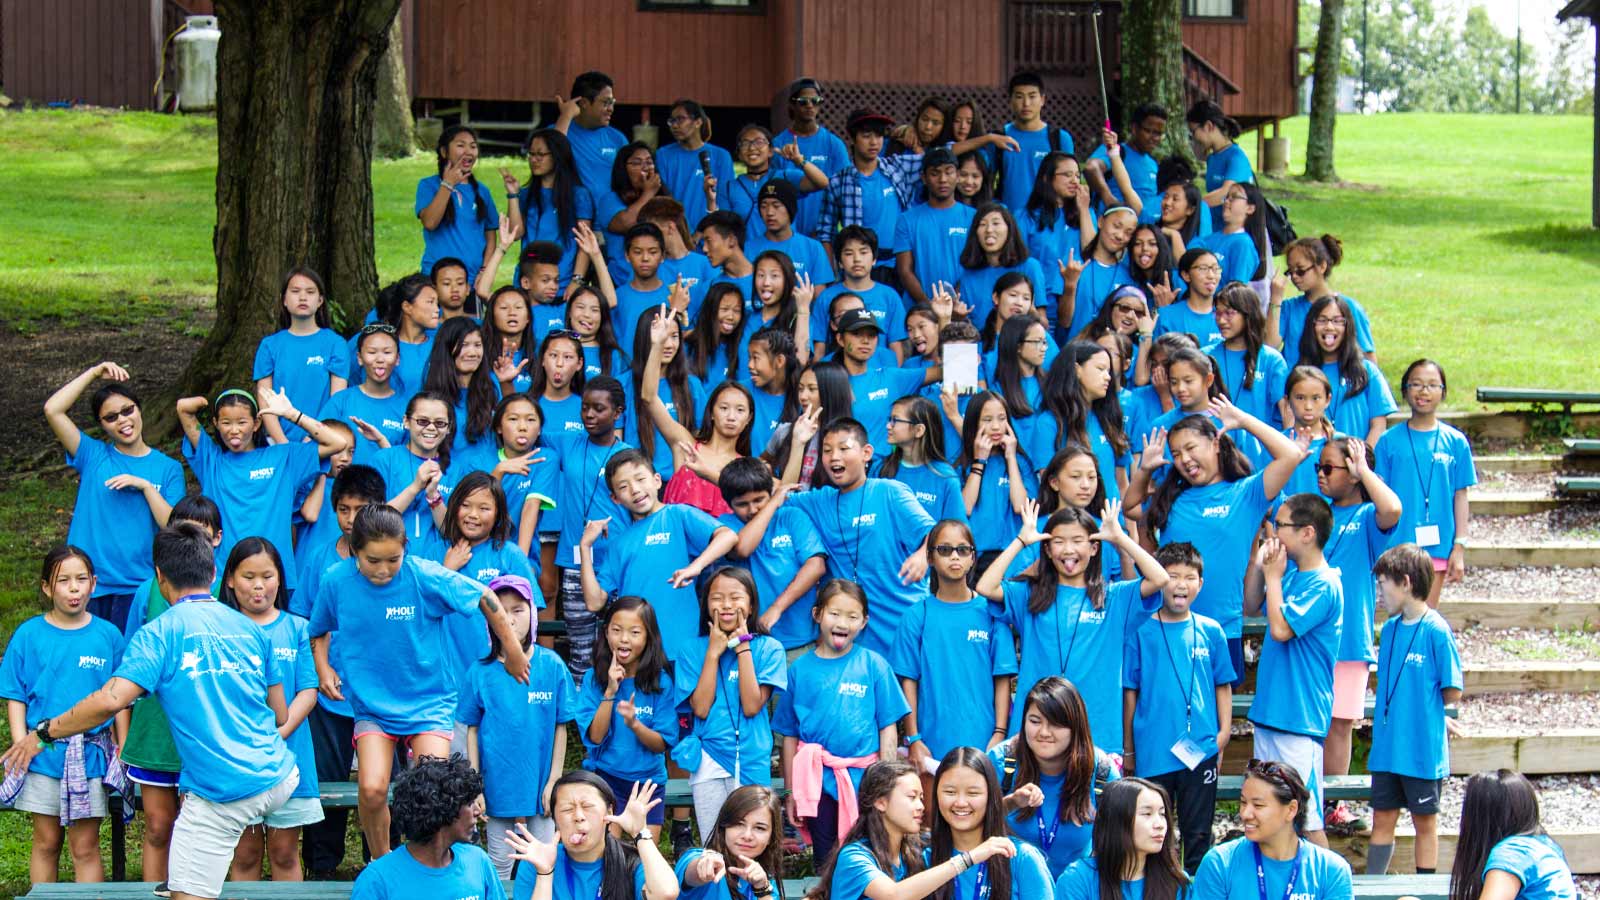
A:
(1419, 795)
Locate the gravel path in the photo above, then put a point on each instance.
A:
(1567, 522)
(1531, 713)
(1515, 482)
(1546, 583)
(1487, 646)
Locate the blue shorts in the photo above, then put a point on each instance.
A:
(621, 787)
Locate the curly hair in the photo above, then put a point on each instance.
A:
(430, 795)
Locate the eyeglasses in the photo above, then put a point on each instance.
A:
(754, 144)
(126, 412)
(540, 154)
(680, 120)
(1331, 323)
(1235, 197)
(896, 420)
(960, 551)
(1432, 387)
(1300, 271)
(565, 333)
(1070, 176)
(640, 162)
(806, 101)
(1289, 524)
(431, 424)
(1043, 342)
(1129, 309)
(377, 328)
(1214, 269)
(607, 103)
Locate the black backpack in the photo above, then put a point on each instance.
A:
(1280, 231)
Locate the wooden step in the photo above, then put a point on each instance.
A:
(1511, 503)
(1581, 847)
(1532, 675)
(1567, 554)
(1519, 463)
(1563, 751)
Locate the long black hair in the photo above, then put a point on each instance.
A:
(778, 342)
(1064, 398)
(442, 375)
(564, 189)
(787, 309)
(1043, 582)
(605, 335)
(1238, 297)
(541, 381)
(321, 316)
(449, 413)
(1232, 464)
(1050, 498)
(653, 661)
(877, 783)
(1043, 205)
(992, 325)
(620, 184)
(971, 422)
(481, 200)
(1012, 253)
(1112, 842)
(708, 425)
(1161, 266)
(743, 801)
(921, 411)
(707, 338)
(499, 530)
(1058, 701)
(1497, 805)
(942, 844)
(494, 343)
(242, 551)
(675, 372)
(1008, 364)
(1255, 225)
(617, 860)
(1348, 354)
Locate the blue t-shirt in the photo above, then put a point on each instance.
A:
(975, 287)
(1228, 872)
(789, 543)
(661, 449)
(994, 520)
(868, 533)
(543, 223)
(744, 194)
(1084, 644)
(631, 303)
(301, 365)
(592, 363)
(1235, 251)
(621, 755)
(49, 669)
(854, 868)
(684, 177)
(740, 744)
(1081, 881)
(711, 890)
(880, 206)
(669, 539)
(1095, 284)
(1051, 246)
(574, 880)
(1060, 841)
(1176, 667)
(212, 667)
(255, 490)
(411, 367)
(879, 299)
(1180, 318)
(767, 415)
(1353, 549)
(696, 272)
(466, 234)
(1304, 478)
(1537, 862)
(516, 725)
(1419, 662)
(398, 875)
(467, 637)
(541, 486)
(116, 528)
(954, 651)
(1030, 876)
(825, 151)
(1230, 163)
(1292, 324)
(1261, 398)
(1142, 169)
(1352, 413)
(1020, 167)
(934, 238)
(840, 704)
(874, 393)
(562, 417)
(303, 603)
(805, 252)
(1221, 521)
(1426, 468)
(585, 494)
(595, 151)
(399, 621)
(398, 466)
(936, 487)
(1300, 670)
(291, 649)
(386, 414)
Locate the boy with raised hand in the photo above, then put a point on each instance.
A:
(1419, 674)
(786, 561)
(586, 121)
(815, 144)
(538, 275)
(1290, 582)
(1016, 161)
(856, 251)
(929, 236)
(1147, 127)
(872, 528)
(874, 189)
(664, 549)
(1177, 700)
(776, 204)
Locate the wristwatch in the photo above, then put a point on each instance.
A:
(42, 732)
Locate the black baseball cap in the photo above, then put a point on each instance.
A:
(856, 320)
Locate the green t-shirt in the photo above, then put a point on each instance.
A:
(149, 744)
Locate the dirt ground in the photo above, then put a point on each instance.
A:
(35, 364)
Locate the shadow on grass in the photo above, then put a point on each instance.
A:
(1577, 242)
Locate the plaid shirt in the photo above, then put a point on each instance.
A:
(842, 204)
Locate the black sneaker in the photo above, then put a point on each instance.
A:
(682, 838)
(161, 890)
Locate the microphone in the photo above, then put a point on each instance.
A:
(705, 161)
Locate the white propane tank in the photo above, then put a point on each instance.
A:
(195, 49)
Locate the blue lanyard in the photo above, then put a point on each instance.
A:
(1261, 873)
(1046, 838)
(981, 890)
(201, 596)
(1425, 483)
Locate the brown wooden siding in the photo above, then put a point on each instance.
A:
(1256, 53)
(101, 52)
(928, 42)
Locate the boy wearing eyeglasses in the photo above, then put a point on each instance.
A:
(1177, 700)
(1290, 582)
(585, 118)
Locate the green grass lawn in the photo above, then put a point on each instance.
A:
(1466, 236)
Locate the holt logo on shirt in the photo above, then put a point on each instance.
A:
(780, 541)
(955, 231)
(1416, 659)
(541, 696)
(91, 662)
(399, 613)
(262, 474)
(658, 539)
(977, 636)
(879, 394)
(286, 654)
(1216, 512)
(866, 519)
(316, 361)
(853, 689)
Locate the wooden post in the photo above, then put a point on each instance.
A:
(1594, 191)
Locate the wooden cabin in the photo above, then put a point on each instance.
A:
(503, 60)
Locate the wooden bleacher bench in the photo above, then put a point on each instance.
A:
(1582, 446)
(1576, 486)
(1241, 707)
(1565, 399)
(1367, 887)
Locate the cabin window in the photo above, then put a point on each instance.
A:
(732, 6)
(1213, 9)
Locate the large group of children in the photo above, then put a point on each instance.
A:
(790, 531)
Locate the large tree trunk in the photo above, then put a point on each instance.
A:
(393, 129)
(295, 94)
(1152, 64)
(1325, 91)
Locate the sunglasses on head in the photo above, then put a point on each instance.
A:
(566, 333)
(377, 328)
(1267, 768)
